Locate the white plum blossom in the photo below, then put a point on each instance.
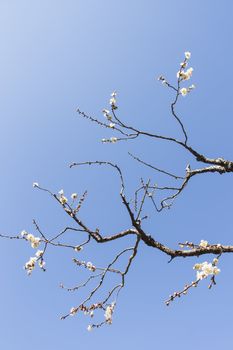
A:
(39, 253)
(90, 266)
(41, 264)
(197, 266)
(185, 75)
(179, 74)
(106, 111)
(73, 311)
(24, 233)
(163, 80)
(89, 328)
(63, 200)
(113, 139)
(184, 91)
(183, 65)
(30, 236)
(112, 101)
(201, 275)
(78, 248)
(35, 184)
(30, 265)
(203, 244)
(187, 55)
(107, 114)
(74, 196)
(189, 73)
(112, 125)
(35, 241)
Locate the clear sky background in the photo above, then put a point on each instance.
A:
(60, 55)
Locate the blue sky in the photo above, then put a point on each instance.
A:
(60, 55)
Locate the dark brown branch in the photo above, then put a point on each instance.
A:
(155, 168)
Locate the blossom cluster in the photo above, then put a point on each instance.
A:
(88, 265)
(163, 80)
(202, 244)
(63, 199)
(108, 316)
(107, 114)
(109, 117)
(85, 309)
(109, 312)
(184, 91)
(73, 311)
(89, 311)
(206, 269)
(111, 140)
(35, 241)
(112, 100)
(183, 74)
(31, 263)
